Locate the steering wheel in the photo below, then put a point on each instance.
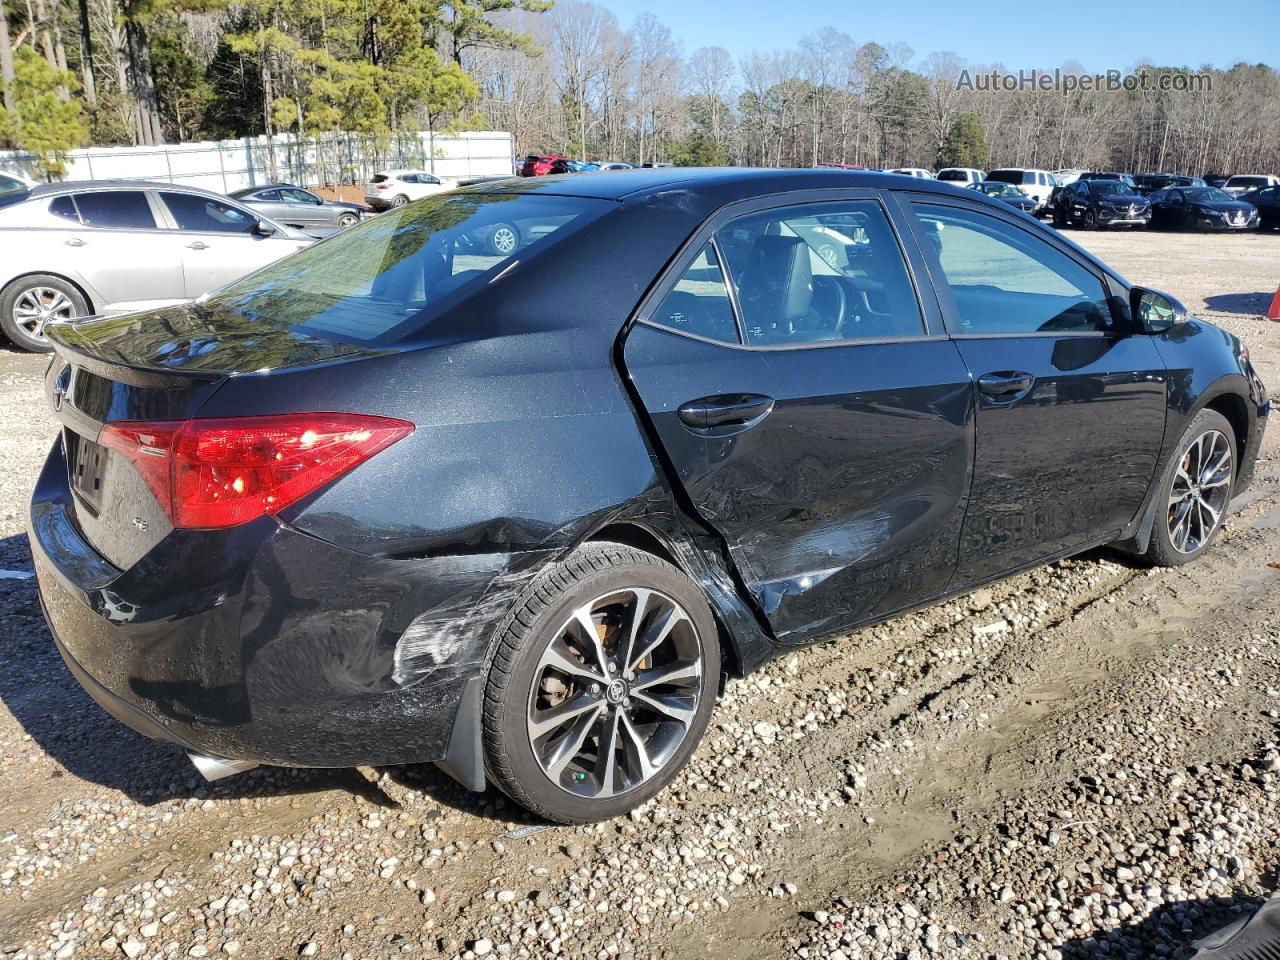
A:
(830, 301)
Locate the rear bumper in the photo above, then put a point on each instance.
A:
(271, 646)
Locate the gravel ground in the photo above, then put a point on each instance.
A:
(1082, 761)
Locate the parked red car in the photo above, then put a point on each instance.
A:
(538, 166)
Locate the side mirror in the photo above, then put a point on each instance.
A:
(1154, 311)
(263, 229)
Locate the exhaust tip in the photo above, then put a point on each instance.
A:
(215, 768)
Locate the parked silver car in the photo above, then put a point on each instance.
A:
(96, 247)
(295, 207)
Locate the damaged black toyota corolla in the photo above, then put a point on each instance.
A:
(404, 498)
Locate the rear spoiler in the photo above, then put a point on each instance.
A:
(74, 348)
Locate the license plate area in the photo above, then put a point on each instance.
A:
(87, 465)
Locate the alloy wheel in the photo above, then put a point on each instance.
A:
(41, 305)
(1200, 491)
(615, 692)
(504, 240)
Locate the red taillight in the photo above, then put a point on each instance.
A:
(221, 473)
(383, 186)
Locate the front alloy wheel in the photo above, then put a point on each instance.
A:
(1200, 491)
(601, 685)
(1194, 493)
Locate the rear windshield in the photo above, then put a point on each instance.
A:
(385, 278)
(378, 178)
(1248, 181)
(953, 175)
(1005, 176)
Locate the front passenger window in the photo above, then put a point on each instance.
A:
(192, 211)
(1007, 281)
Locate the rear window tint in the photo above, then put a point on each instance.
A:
(388, 276)
(1006, 176)
(378, 178)
(116, 209)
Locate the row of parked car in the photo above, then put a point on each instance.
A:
(542, 165)
(1094, 199)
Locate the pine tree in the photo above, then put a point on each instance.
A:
(43, 121)
(966, 144)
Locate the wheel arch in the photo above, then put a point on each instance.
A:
(744, 643)
(1235, 409)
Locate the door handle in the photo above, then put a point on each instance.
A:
(197, 245)
(1005, 385)
(75, 242)
(725, 410)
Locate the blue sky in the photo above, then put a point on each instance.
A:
(1016, 33)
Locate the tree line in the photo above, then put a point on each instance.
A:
(570, 79)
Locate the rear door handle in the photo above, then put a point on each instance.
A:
(75, 242)
(725, 410)
(1005, 385)
(197, 245)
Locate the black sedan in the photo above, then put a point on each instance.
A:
(1100, 203)
(1006, 193)
(1267, 203)
(1201, 208)
(295, 207)
(398, 499)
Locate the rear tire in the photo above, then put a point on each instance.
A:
(399, 201)
(30, 302)
(1194, 492)
(577, 726)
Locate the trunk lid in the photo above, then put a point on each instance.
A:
(154, 367)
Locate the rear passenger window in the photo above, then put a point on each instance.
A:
(699, 302)
(192, 211)
(1007, 281)
(116, 209)
(820, 272)
(65, 208)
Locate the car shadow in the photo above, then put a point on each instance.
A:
(1245, 304)
(60, 718)
(1173, 930)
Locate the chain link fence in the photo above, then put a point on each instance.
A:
(328, 160)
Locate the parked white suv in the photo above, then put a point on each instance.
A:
(395, 188)
(919, 172)
(961, 176)
(1036, 184)
(1244, 182)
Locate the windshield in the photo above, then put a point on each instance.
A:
(1207, 195)
(1001, 190)
(381, 280)
(1101, 188)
